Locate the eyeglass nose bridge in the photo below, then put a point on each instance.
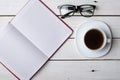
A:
(77, 10)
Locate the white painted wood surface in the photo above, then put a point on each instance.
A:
(104, 7)
(68, 63)
(80, 70)
(112, 21)
(11, 7)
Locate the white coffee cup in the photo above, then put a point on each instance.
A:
(95, 39)
(84, 33)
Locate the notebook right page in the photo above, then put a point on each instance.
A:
(38, 24)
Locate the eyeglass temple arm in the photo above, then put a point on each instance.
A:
(67, 14)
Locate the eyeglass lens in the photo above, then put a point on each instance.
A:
(87, 11)
(67, 9)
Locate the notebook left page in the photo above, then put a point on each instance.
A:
(18, 54)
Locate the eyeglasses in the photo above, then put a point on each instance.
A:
(85, 10)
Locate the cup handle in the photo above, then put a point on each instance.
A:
(108, 40)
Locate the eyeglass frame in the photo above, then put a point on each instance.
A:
(77, 9)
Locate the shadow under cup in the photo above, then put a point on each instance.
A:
(94, 39)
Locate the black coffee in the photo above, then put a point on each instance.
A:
(94, 39)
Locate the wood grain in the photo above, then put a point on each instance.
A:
(75, 22)
(104, 7)
(69, 51)
(113, 23)
(11, 7)
(80, 70)
(74, 70)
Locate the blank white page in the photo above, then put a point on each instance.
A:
(41, 27)
(18, 54)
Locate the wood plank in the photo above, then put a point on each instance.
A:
(69, 51)
(78, 20)
(85, 70)
(113, 22)
(74, 23)
(115, 32)
(104, 7)
(11, 7)
(79, 70)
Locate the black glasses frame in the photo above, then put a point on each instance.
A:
(88, 8)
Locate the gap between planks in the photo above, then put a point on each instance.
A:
(84, 60)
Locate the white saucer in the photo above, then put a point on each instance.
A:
(80, 35)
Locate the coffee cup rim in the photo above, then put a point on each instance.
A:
(104, 36)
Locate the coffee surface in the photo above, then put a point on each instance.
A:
(94, 39)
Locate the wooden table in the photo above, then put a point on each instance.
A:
(68, 63)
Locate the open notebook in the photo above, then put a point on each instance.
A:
(31, 38)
